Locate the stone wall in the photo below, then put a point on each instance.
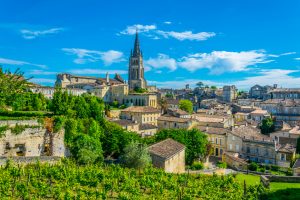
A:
(12, 123)
(266, 179)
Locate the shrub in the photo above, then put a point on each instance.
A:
(197, 166)
(268, 167)
(59, 122)
(274, 168)
(18, 129)
(289, 172)
(2, 130)
(253, 166)
(222, 164)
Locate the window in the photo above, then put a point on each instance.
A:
(230, 146)
(220, 141)
(248, 149)
(282, 156)
(237, 147)
(216, 140)
(233, 138)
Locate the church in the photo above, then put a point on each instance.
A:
(116, 89)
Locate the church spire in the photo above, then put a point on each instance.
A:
(136, 50)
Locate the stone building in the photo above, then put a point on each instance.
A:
(260, 92)
(170, 122)
(217, 137)
(49, 91)
(285, 93)
(141, 114)
(229, 93)
(258, 115)
(287, 110)
(168, 155)
(217, 121)
(144, 130)
(144, 99)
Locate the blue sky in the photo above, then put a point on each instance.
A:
(214, 41)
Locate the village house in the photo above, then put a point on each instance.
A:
(168, 155)
(217, 121)
(170, 122)
(141, 114)
(217, 137)
(258, 115)
(144, 130)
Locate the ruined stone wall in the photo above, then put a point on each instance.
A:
(12, 123)
(31, 142)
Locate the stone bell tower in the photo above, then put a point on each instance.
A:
(136, 77)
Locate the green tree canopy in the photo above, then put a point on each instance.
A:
(267, 126)
(195, 141)
(10, 85)
(186, 105)
(136, 155)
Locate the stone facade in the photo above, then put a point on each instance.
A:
(141, 114)
(229, 93)
(287, 110)
(170, 122)
(136, 77)
(145, 99)
(168, 155)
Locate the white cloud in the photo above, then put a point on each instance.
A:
(281, 77)
(42, 80)
(162, 61)
(19, 63)
(131, 30)
(219, 62)
(297, 58)
(167, 22)
(85, 56)
(97, 71)
(32, 34)
(187, 35)
(181, 84)
(265, 77)
(41, 72)
(288, 53)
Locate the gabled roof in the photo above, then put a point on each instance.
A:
(166, 148)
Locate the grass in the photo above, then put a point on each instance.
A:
(250, 179)
(274, 186)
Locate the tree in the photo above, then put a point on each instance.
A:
(267, 126)
(10, 85)
(200, 84)
(195, 141)
(186, 105)
(136, 156)
(163, 105)
(213, 87)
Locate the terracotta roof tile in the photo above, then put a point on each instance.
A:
(166, 148)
